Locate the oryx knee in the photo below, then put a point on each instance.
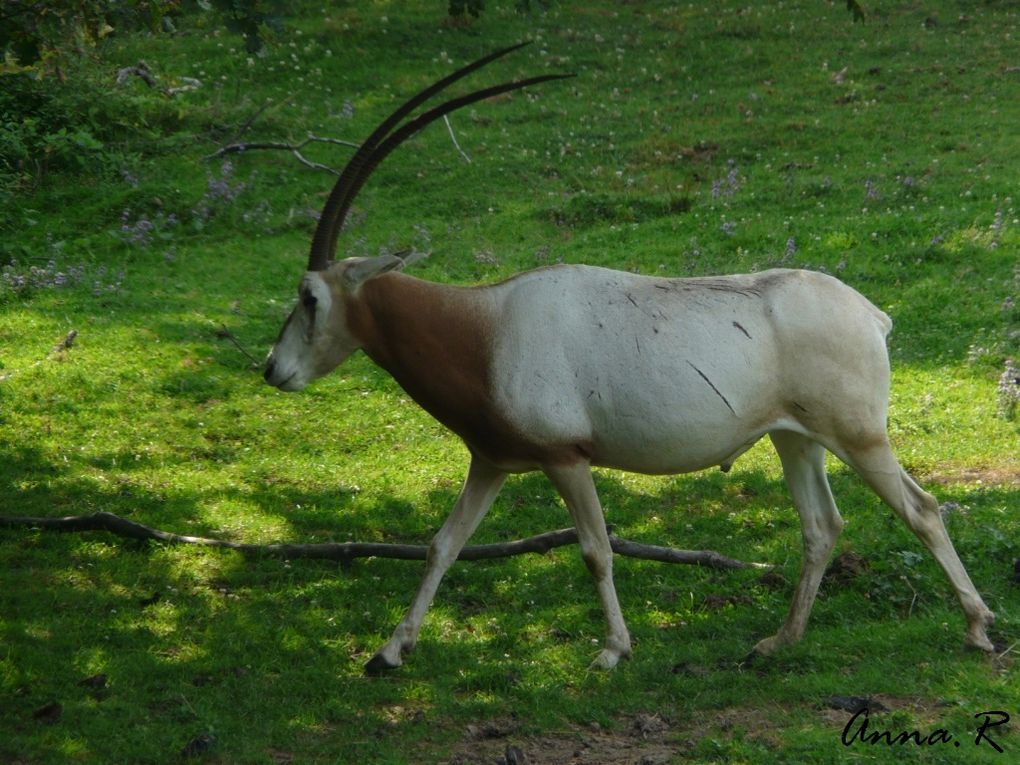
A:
(599, 563)
(440, 552)
(820, 540)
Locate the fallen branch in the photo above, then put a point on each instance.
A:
(56, 353)
(345, 552)
(708, 558)
(237, 147)
(141, 71)
(293, 148)
(66, 343)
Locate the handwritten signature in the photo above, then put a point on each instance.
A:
(859, 729)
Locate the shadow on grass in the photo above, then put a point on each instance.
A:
(266, 655)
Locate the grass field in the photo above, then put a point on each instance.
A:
(696, 138)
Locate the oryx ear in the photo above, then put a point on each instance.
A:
(363, 269)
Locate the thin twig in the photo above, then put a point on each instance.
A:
(224, 332)
(348, 551)
(453, 138)
(913, 600)
(1008, 650)
(336, 141)
(256, 114)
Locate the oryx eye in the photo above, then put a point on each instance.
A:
(308, 300)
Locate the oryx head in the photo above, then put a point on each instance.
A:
(315, 338)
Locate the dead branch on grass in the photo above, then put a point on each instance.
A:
(237, 147)
(142, 72)
(293, 148)
(345, 552)
(55, 354)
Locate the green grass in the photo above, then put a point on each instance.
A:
(901, 179)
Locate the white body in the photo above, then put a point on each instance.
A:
(567, 367)
(671, 376)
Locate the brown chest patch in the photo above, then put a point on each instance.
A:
(436, 341)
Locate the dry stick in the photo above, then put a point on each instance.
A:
(293, 148)
(236, 147)
(345, 552)
(63, 345)
(142, 71)
(453, 138)
(224, 332)
(709, 558)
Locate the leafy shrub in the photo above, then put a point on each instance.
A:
(43, 36)
(51, 125)
(248, 18)
(58, 110)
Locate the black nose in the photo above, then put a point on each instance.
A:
(270, 366)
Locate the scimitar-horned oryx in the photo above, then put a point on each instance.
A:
(562, 368)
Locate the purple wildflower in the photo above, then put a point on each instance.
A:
(996, 229)
(730, 185)
(22, 281)
(220, 191)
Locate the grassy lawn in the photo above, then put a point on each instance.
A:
(697, 138)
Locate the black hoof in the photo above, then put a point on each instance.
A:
(377, 665)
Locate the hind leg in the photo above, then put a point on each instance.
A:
(878, 466)
(575, 485)
(804, 467)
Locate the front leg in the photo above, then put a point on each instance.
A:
(480, 489)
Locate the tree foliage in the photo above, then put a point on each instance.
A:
(248, 18)
(41, 36)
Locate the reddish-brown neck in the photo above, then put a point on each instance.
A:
(434, 339)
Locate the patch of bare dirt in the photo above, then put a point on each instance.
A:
(651, 739)
(986, 476)
(644, 739)
(644, 742)
(837, 714)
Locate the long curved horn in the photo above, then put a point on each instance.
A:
(412, 127)
(374, 149)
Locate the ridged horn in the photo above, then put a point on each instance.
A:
(381, 142)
